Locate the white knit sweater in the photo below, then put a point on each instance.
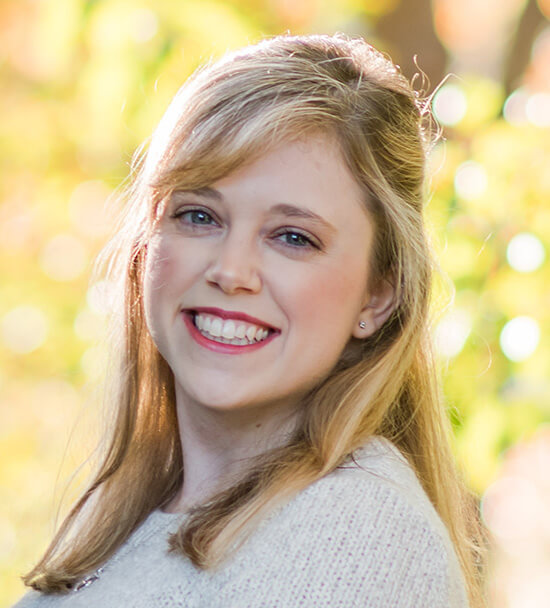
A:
(364, 536)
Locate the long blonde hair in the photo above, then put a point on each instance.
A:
(225, 115)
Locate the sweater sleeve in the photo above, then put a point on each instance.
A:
(401, 557)
(355, 539)
(368, 541)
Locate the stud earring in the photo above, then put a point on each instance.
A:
(362, 324)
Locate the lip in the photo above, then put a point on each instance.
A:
(220, 347)
(230, 314)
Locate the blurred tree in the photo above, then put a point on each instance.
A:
(85, 81)
(530, 25)
(409, 33)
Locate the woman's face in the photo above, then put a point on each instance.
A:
(254, 285)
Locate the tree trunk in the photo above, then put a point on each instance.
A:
(530, 25)
(408, 31)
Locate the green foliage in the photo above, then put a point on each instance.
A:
(499, 400)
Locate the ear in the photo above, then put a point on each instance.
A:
(380, 305)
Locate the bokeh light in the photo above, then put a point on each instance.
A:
(471, 180)
(537, 109)
(511, 508)
(100, 297)
(514, 110)
(8, 537)
(519, 338)
(532, 591)
(544, 6)
(525, 252)
(64, 258)
(24, 329)
(144, 24)
(449, 104)
(89, 326)
(87, 209)
(515, 510)
(92, 362)
(452, 332)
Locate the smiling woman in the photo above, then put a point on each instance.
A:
(278, 436)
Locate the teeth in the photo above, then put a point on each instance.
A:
(216, 328)
(230, 331)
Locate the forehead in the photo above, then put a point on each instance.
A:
(308, 172)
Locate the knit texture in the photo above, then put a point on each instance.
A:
(364, 536)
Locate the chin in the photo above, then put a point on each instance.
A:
(222, 403)
(225, 399)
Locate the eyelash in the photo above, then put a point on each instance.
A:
(309, 243)
(178, 215)
(306, 240)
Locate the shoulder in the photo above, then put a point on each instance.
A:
(376, 482)
(376, 479)
(371, 523)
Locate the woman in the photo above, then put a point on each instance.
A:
(278, 438)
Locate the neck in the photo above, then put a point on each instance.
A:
(219, 445)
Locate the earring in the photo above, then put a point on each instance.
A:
(362, 324)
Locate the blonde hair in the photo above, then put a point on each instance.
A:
(225, 115)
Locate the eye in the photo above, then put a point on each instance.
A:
(195, 217)
(295, 239)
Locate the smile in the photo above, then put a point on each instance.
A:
(229, 331)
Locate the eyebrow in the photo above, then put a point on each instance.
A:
(284, 209)
(205, 192)
(294, 211)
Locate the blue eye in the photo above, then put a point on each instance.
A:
(296, 239)
(196, 217)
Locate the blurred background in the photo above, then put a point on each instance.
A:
(83, 83)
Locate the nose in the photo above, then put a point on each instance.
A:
(235, 266)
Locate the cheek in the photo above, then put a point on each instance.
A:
(160, 280)
(330, 296)
(167, 265)
(157, 269)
